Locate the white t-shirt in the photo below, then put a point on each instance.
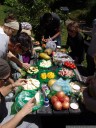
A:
(4, 39)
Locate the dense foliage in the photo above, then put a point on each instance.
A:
(31, 10)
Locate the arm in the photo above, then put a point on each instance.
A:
(20, 115)
(14, 58)
(6, 89)
(17, 61)
(56, 35)
(53, 37)
(14, 66)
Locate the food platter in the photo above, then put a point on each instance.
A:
(46, 75)
(33, 70)
(32, 84)
(66, 73)
(69, 64)
(44, 63)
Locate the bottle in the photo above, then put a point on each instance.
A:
(46, 102)
(45, 89)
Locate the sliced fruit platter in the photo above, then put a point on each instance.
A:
(33, 70)
(31, 84)
(44, 63)
(66, 73)
(46, 75)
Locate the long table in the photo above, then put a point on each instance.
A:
(50, 110)
(49, 117)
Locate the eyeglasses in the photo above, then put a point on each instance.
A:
(4, 80)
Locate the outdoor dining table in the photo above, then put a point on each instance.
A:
(49, 117)
(50, 110)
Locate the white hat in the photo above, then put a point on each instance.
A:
(13, 24)
(27, 31)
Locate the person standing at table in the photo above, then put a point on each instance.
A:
(75, 42)
(50, 27)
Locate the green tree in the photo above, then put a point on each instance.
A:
(29, 10)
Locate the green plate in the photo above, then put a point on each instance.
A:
(66, 77)
(38, 64)
(47, 79)
(33, 73)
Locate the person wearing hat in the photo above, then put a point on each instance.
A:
(27, 28)
(5, 72)
(10, 27)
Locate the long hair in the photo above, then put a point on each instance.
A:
(4, 68)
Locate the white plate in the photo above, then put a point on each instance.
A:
(75, 87)
(74, 106)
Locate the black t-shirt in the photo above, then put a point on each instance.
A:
(3, 109)
(76, 45)
(52, 28)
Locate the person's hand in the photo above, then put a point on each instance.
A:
(36, 43)
(27, 109)
(25, 66)
(19, 82)
(46, 40)
(43, 40)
